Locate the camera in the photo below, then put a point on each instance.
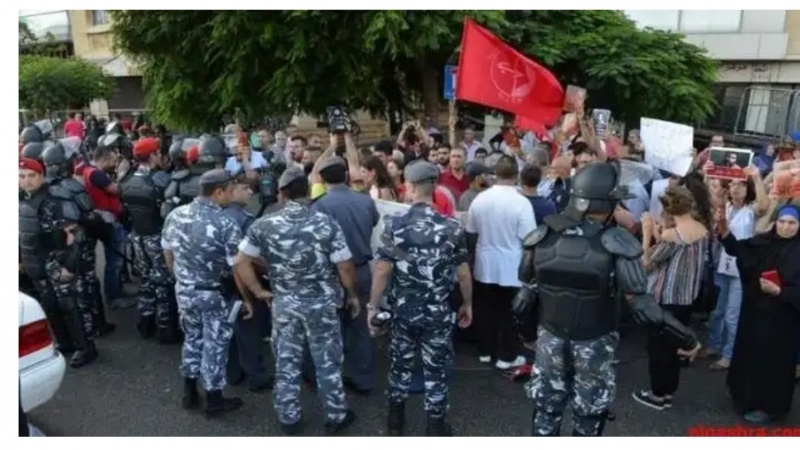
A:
(338, 120)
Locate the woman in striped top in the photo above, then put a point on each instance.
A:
(675, 268)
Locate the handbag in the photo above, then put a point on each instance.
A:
(706, 299)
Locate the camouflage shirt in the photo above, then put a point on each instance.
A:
(301, 249)
(425, 248)
(203, 240)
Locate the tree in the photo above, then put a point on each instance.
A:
(200, 65)
(50, 84)
(30, 44)
(635, 73)
(268, 62)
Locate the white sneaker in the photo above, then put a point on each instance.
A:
(505, 365)
(485, 359)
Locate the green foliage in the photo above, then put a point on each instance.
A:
(200, 65)
(29, 44)
(635, 73)
(50, 84)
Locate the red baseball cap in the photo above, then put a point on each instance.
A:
(146, 147)
(31, 164)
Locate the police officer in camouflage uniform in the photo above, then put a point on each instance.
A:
(421, 254)
(141, 194)
(574, 269)
(246, 354)
(199, 242)
(49, 226)
(306, 256)
(59, 160)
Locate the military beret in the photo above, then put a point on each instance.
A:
(333, 161)
(31, 164)
(421, 172)
(146, 147)
(215, 177)
(291, 175)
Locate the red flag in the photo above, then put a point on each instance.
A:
(493, 74)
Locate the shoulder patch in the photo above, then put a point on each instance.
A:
(180, 174)
(620, 242)
(535, 236)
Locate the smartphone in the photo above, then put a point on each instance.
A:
(772, 275)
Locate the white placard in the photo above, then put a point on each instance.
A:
(667, 146)
(385, 208)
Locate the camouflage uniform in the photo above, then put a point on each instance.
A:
(302, 249)
(203, 240)
(77, 309)
(586, 366)
(155, 291)
(425, 248)
(89, 286)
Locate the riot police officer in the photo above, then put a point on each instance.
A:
(36, 132)
(33, 150)
(49, 240)
(58, 160)
(422, 252)
(306, 255)
(142, 195)
(115, 138)
(199, 242)
(573, 267)
(185, 184)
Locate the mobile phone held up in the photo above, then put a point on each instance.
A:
(338, 120)
(772, 276)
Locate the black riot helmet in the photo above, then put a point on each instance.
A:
(31, 134)
(596, 190)
(212, 151)
(33, 150)
(58, 160)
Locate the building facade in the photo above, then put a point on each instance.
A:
(759, 72)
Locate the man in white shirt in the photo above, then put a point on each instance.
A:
(501, 217)
(470, 145)
(246, 159)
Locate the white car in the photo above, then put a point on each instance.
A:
(41, 366)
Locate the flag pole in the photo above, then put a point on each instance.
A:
(451, 122)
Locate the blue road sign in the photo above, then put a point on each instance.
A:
(449, 82)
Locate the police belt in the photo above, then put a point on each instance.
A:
(203, 287)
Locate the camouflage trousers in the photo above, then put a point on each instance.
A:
(435, 340)
(55, 317)
(204, 320)
(155, 291)
(578, 372)
(293, 325)
(76, 309)
(89, 285)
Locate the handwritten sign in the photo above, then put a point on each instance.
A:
(668, 146)
(385, 209)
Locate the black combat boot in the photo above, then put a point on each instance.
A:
(84, 355)
(217, 405)
(396, 421)
(169, 336)
(437, 427)
(147, 326)
(191, 396)
(333, 428)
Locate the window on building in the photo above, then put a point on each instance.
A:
(100, 17)
(729, 98)
(666, 20)
(706, 21)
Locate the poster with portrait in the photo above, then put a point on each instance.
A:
(729, 163)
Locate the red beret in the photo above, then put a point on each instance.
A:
(31, 164)
(193, 154)
(146, 147)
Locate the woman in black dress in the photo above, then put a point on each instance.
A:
(761, 377)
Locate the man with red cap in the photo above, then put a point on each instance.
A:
(48, 230)
(142, 194)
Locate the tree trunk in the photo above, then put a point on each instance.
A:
(431, 100)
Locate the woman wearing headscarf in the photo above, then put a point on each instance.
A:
(761, 375)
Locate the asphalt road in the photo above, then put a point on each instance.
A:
(134, 389)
